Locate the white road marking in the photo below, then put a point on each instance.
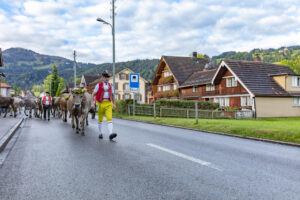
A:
(181, 155)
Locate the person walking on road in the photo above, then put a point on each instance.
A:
(47, 102)
(103, 93)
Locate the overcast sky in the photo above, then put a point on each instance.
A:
(148, 28)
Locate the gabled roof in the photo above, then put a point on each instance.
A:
(183, 67)
(90, 78)
(4, 85)
(257, 76)
(199, 78)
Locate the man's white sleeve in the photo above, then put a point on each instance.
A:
(96, 88)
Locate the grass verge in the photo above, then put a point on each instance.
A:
(280, 129)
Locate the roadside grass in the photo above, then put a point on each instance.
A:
(281, 129)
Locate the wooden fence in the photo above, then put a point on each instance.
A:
(150, 110)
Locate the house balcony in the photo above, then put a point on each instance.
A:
(211, 93)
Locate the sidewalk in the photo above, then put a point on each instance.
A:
(8, 126)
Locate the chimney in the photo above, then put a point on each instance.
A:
(195, 55)
(257, 58)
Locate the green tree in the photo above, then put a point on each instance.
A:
(294, 64)
(58, 92)
(55, 80)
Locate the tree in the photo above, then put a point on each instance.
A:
(55, 80)
(58, 92)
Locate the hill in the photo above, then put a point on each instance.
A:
(266, 55)
(25, 68)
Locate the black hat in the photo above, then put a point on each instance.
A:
(105, 74)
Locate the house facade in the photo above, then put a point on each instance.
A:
(5, 90)
(122, 88)
(267, 89)
(172, 72)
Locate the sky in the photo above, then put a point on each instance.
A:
(147, 28)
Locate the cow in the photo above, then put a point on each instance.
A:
(63, 101)
(79, 105)
(31, 103)
(19, 103)
(55, 107)
(6, 102)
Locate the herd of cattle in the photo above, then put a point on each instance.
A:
(77, 105)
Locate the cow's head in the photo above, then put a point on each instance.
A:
(78, 97)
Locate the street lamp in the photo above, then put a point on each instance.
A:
(113, 35)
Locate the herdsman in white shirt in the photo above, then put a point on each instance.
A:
(47, 102)
(106, 103)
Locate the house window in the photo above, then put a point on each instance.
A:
(231, 82)
(159, 88)
(116, 97)
(123, 76)
(246, 101)
(195, 89)
(296, 81)
(127, 96)
(175, 87)
(166, 73)
(210, 87)
(126, 86)
(166, 87)
(223, 101)
(296, 101)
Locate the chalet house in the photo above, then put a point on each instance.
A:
(267, 89)
(5, 90)
(172, 72)
(198, 85)
(87, 79)
(122, 89)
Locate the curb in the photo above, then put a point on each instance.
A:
(9, 135)
(219, 133)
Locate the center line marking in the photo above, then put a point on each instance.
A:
(181, 155)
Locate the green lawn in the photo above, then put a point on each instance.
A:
(282, 129)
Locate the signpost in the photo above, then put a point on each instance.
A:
(134, 85)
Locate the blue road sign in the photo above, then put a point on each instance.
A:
(134, 81)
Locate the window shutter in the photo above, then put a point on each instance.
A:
(127, 78)
(119, 96)
(129, 96)
(116, 86)
(140, 97)
(120, 78)
(295, 81)
(123, 86)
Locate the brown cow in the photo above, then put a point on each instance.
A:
(6, 102)
(79, 106)
(63, 105)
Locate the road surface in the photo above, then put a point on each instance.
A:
(50, 161)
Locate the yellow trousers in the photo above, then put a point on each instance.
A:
(105, 108)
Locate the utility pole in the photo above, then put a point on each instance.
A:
(74, 68)
(113, 38)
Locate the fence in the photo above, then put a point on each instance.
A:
(188, 113)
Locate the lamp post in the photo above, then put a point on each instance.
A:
(113, 36)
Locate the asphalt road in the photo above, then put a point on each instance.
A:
(50, 161)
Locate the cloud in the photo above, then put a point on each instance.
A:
(148, 28)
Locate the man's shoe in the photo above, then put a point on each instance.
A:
(48, 119)
(100, 136)
(112, 136)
